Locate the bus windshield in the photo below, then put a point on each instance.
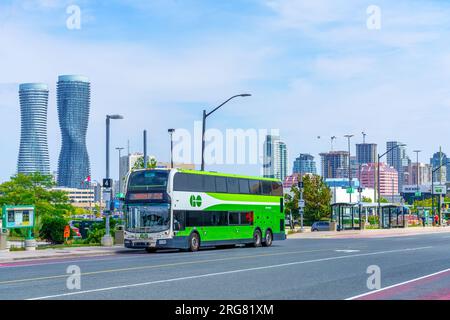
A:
(148, 180)
(148, 218)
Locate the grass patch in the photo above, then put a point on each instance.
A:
(62, 246)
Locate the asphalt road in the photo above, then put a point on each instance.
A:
(291, 269)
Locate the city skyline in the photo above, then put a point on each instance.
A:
(301, 76)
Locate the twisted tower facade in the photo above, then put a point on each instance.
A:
(33, 152)
(73, 99)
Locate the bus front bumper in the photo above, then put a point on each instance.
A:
(174, 243)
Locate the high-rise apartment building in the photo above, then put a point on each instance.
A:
(398, 159)
(33, 152)
(334, 164)
(388, 178)
(73, 99)
(442, 174)
(366, 153)
(417, 173)
(304, 163)
(275, 158)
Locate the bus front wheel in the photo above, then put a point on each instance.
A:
(194, 242)
(257, 239)
(268, 239)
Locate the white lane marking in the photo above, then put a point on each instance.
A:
(347, 250)
(225, 273)
(398, 284)
(118, 256)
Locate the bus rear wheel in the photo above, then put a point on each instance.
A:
(194, 242)
(268, 239)
(257, 239)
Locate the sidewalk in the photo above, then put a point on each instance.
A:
(14, 256)
(369, 233)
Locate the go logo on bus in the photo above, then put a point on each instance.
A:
(196, 201)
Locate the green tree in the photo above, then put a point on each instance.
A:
(139, 164)
(317, 198)
(366, 199)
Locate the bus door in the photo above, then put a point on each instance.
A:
(240, 224)
(215, 226)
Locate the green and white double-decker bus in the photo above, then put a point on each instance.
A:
(187, 209)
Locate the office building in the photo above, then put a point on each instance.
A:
(366, 153)
(33, 152)
(417, 174)
(442, 174)
(304, 163)
(275, 158)
(80, 198)
(73, 100)
(334, 164)
(398, 159)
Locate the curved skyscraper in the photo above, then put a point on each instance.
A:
(33, 153)
(73, 98)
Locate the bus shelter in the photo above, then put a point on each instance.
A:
(347, 216)
(393, 216)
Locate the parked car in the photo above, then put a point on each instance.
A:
(77, 232)
(320, 226)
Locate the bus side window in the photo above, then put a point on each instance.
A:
(233, 218)
(255, 186)
(277, 189)
(221, 184)
(233, 185)
(194, 218)
(209, 183)
(267, 188)
(180, 182)
(246, 218)
(179, 220)
(243, 186)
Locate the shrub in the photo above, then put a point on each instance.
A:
(53, 229)
(373, 220)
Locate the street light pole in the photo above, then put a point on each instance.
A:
(432, 187)
(171, 131)
(205, 115)
(107, 239)
(349, 136)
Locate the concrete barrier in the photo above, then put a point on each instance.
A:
(30, 245)
(3, 241)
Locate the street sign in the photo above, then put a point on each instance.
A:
(301, 203)
(418, 194)
(106, 196)
(107, 183)
(120, 195)
(440, 190)
(66, 232)
(350, 190)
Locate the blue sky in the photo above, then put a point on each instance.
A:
(313, 67)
